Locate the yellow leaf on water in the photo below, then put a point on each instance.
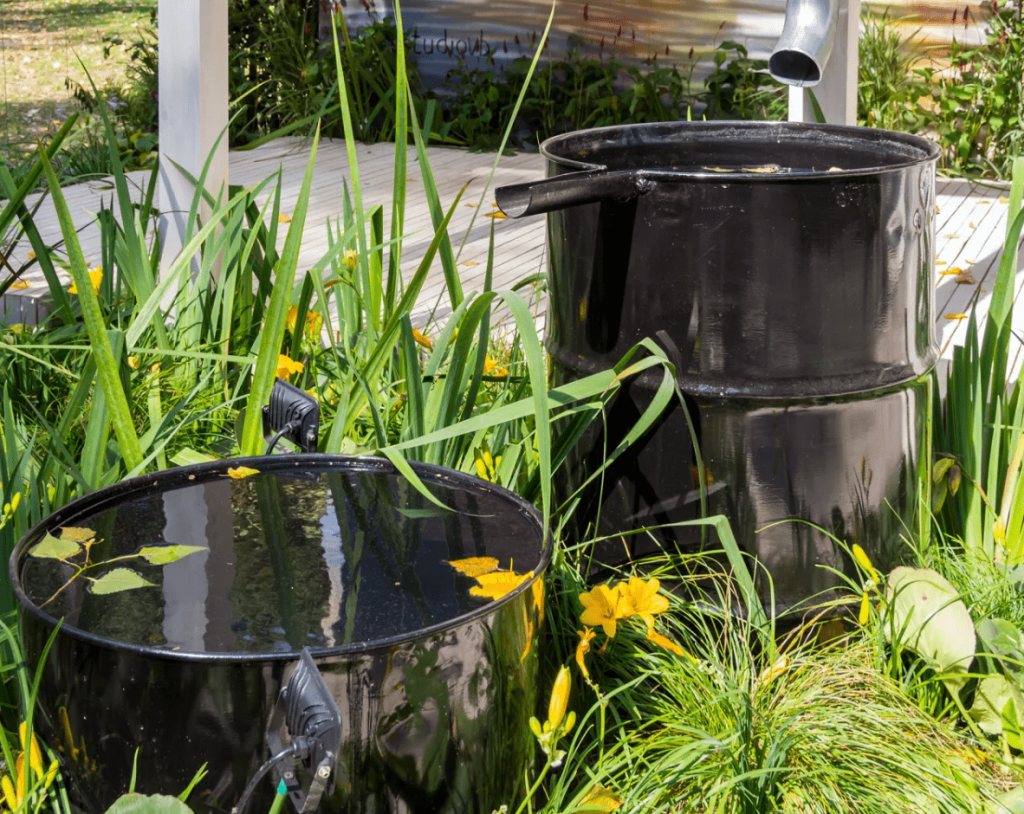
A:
(52, 548)
(239, 472)
(498, 584)
(761, 169)
(77, 535)
(955, 316)
(718, 169)
(474, 566)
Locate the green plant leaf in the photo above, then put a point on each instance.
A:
(148, 804)
(166, 554)
(930, 619)
(1005, 640)
(118, 580)
(991, 699)
(53, 548)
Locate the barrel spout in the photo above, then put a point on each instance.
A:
(808, 35)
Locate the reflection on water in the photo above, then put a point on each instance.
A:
(631, 32)
(331, 559)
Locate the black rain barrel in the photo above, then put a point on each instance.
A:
(434, 684)
(786, 269)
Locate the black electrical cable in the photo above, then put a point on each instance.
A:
(291, 426)
(300, 746)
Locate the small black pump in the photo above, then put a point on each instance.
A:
(292, 414)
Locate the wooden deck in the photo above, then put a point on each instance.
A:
(970, 225)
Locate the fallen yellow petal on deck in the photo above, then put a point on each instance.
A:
(284, 217)
(496, 215)
(952, 237)
(1003, 199)
(955, 316)
(18, 284)
(471, 263)
(471, 205)
(952, 270)
(965, 279)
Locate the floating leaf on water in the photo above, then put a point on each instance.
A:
(769, 169)
(239, 472)
(718, 169)
(474, 566)
(498, 584)
(77, 535)
(166, 554)
(118, 580)
(52, 548)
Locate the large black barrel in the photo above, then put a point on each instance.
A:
(787, 271)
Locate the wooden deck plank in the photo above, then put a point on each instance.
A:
(520, 246)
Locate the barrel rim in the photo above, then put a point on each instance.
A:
(657, 133)
(198, 473)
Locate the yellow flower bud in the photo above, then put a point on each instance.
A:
(559, 697)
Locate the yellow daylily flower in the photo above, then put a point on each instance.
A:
(602, 607)
(240, 472)
(351, 260)
(286, 367)
(15, 786)
(642, 599)
(586, 635)
(498, 584)
(474, 566)
(422, 339)
(865, 609)
(95, 277)
(538, 598)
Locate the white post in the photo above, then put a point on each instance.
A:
(193, 99)
(837, 91)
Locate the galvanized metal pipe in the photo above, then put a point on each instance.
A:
(802, 52)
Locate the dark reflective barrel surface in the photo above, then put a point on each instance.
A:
(243, 564)
(786, 270)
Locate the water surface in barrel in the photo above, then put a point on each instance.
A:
(270, 562)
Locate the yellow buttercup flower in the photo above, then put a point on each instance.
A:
(642, 599)
(286, 367)
(603, 607)
(95, 277)
(586, 635)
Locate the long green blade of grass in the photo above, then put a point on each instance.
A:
(106, 365)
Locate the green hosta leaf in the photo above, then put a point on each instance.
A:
(148, 804)
(996, 696)
(1010, 803)
(166, 554)
(120, 579)
(930, 619)
(1012, 724)
(53, 548)
(1006, 641)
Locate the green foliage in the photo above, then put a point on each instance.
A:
(973, 108)
(741, 88)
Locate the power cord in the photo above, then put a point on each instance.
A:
(291, 426)
(301, 746)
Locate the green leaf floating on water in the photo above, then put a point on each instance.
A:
(53, 548)
(166, 554)
(120, 579)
